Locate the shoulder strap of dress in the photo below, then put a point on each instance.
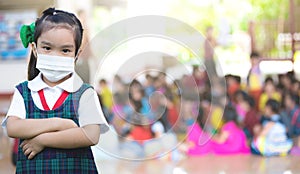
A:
(77, 95)
(24, 91)
(83, 88)
(23, 87)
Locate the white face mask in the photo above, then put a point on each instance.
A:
(55, 68)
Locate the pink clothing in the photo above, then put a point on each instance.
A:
(203, 145)
(240, 111)
(236, 143)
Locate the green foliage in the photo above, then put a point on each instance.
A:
(237, 12)
(270, 9)
(268, 16)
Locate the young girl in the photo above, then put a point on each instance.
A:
(231, 139)
(198, 141)
(55, 115)
(270, 92)
(272, 138)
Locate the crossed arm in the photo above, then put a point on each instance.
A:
(51, 132)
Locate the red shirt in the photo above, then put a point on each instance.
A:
(251, 119)
(141, 133)
(172, 115)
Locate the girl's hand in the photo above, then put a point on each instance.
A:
(31, 147)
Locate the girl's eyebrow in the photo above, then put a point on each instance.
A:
(46, 43)
(67, 46)
(63, 46)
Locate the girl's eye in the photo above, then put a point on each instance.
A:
(66, 50)
(46, 48)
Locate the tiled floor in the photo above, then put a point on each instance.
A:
(207, 165)
(196, 165)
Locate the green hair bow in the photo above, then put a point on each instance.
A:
(27, 34)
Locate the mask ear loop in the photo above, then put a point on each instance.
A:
(76, 58)
(34, 49)
(77, 55)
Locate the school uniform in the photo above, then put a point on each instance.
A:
(71, 99)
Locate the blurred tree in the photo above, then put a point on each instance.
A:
(269, 9)
(201, 14)
(270, 18)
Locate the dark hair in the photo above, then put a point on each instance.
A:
(254, 54)
(269, 79)
(241, 93)
(274, 105)
(200, 117)
(164, 120)
(103, 81)
(237, 78)
(230, 114)
(148, 76)
(250, 100)
(233, 77)
(50, 19)
(136, 103)
(135, 83)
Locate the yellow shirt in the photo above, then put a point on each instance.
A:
(264, 98)
(254, 82)
(216, 118)
(107, 97)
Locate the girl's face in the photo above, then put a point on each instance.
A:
(245, 106)
(288, 102)
(58, 41)
(136, 94)
(269, 88)
(268, 111)
(296, 87)
(254, 61)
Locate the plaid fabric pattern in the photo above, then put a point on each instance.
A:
(53, 160)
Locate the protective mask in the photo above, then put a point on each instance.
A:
(55, 68)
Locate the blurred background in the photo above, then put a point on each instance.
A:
(239, 27)
(234, 30)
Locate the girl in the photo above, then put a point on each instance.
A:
(231, 139)
(55, 115)
(272, 138)
(198, 141)
(252, 117)
(270, 92)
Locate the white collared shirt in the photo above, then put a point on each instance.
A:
(89, 109)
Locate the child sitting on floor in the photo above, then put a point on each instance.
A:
(198, 141)
(272, 138)
(231, 139)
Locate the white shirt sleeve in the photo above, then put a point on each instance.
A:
(17, 107)
(90, 111)
(158, 127)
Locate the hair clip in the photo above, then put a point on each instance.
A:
(27, 34)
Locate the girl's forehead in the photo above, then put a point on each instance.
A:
(58, 35)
